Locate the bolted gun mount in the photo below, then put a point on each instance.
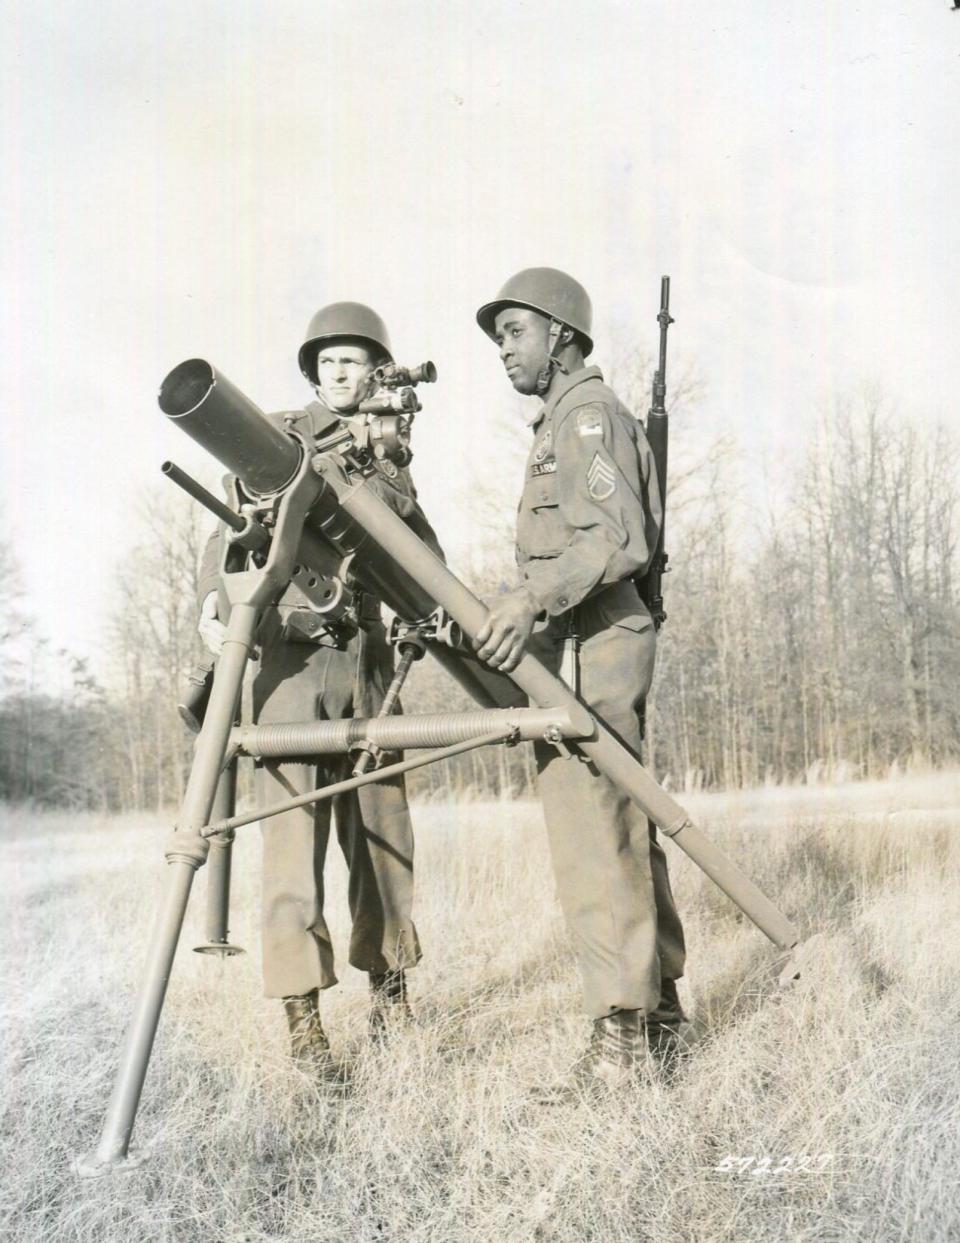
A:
(314, 505)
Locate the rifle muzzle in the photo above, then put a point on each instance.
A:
(218, 416)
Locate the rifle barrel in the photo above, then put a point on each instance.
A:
(665, 322)
(656, 428)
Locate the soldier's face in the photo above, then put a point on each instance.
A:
(343, 375)
(523, 337)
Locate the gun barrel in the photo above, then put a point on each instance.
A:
(351, 516)
(200, 493)
(657, 435)
(227, 423)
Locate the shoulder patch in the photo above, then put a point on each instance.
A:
(590, 420)
(601, 478)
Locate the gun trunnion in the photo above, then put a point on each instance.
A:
(322, 500)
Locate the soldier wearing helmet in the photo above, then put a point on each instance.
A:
(587, 526)
(300, 677)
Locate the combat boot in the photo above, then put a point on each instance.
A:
(669, 1036)
(389, 1007)
(617, 1057)
(309, 1045)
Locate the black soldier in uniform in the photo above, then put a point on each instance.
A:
(587, 526)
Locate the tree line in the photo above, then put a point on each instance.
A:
(71, 738)
(832, 648)
(815, 637)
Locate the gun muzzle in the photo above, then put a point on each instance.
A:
(218, 416)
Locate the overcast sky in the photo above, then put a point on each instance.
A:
(183, 179)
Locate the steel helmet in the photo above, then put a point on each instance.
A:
(549, 291)
(336, 322)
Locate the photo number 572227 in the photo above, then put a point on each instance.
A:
(760, 1167)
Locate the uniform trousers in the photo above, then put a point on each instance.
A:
(611, 873)
(303, 682)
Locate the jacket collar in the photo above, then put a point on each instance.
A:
(561, 386)
(321, 416)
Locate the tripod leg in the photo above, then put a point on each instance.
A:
(218, 870)
(186, 852)
(112, 1151)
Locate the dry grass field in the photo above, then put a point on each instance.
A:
(828, 1112)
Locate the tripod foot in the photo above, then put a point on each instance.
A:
(93, 1165)
(222, 949)
(801, 960)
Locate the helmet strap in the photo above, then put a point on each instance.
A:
(553, 362)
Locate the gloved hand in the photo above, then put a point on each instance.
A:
(211, 630)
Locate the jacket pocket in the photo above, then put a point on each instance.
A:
(620, 605)
(541, 491)
(541, 530)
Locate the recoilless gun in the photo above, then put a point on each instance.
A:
(305, 512)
